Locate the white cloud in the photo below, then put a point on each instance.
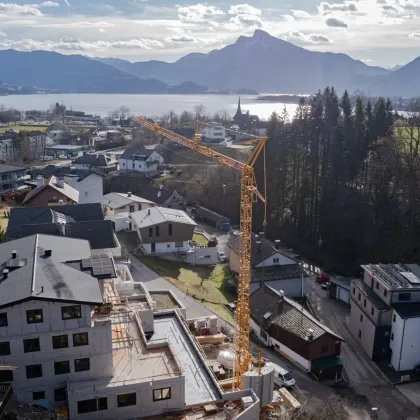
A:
(336, 23)
(301, 14)
(67, 2)
(102, 30)
(325, 8)
(49, 4)
(244, 9)
(308, 39)
(197, 12)
(180, 39)
(366, 60)
(3, 34)
(12, 9)
(414, 35)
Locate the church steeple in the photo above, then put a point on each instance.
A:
(239, 110)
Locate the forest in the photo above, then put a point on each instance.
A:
(343, 182)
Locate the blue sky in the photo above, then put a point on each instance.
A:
(379, 32)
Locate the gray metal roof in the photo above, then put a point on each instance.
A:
(10, 168)
(136, 153)
(43, 277)
(156, 215)
(118, 200)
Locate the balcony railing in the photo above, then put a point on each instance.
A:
(6, 392)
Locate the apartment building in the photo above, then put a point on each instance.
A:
(385, 313)
(11, 177)
(214, 133)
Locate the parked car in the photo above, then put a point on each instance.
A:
(326, 286)
(322, 278)
(47, 158)
(282, 377)
(221, 256)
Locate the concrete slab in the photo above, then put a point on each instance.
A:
(199, 387)
(411, 391)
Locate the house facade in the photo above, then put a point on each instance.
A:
(292, 331)
(214, 133)
(165, 197)
(11, 177)
(37, 142)
(90, 187)
(163, 231)
(95, 162)
(7, 151)
(143, 161)
(385, 311)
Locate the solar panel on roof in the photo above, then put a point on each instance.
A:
(87, 263)
(411, 277)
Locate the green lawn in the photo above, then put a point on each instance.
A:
(204, 284)
(201, 239)
(23, 127)
(406, 134)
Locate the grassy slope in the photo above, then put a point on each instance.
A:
(23, 127)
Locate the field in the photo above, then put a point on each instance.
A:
(202, 240)
(23, 127)
(406, 134)
(204, 284)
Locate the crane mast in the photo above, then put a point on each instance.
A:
(249, 191)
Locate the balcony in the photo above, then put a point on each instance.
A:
(6, 392)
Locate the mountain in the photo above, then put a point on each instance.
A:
(71, 73)
(261, 62)
(397, 67)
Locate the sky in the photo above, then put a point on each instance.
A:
(379, 32)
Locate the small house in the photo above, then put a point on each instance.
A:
(143, 161)
(165, 197)
(124, 203)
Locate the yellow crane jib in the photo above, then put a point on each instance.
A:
(249, 190)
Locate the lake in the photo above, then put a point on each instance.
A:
(146, 105)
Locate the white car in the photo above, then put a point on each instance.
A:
(47, 158)
(281, 376)
(221, 256)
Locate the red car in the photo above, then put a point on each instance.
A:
(322, 278)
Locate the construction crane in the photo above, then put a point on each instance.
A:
(249, 194)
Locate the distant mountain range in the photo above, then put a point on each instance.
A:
(258, 63)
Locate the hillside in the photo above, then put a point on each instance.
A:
(71, 73)
(261, 62)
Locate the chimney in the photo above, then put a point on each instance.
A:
(39, 182)
(277, 243)
(14, 255)
(47, 253)
(129, 194)
(279, 306)
(5, 273)
(63, 228)
(258, 243)
(60, 182)
(310, 334)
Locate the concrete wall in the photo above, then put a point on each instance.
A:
(145, 406)
(166, 248)
(282, 260)
(367, 328)
(99, 349)
(90, 189)
(180, 232)
(253, 411)
(198, 256)
(405, 343)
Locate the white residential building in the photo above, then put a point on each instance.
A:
(144, 161)
(124, 203)
(37, 141)
(90, 187)
(214, 132)
(7, 151)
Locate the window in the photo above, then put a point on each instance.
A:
(33, 371)
(60, 341)
(404, 296)
(394, 318)
(132, 209)
(71, 312)
(392, 336)
(276, 260)
(359, 296)
(150, 232)
(354, 290)
(80, 365)
(30, 345)
(170, 229)
(179, 244)
(360, 333)
(372, 310)
(157, 231)
(3, 320)
(80, 339)
(168, 245)
(385, 292)
(38, 395)
(161, 394)
(263, 335)
(60, 394)
(364, 303)
(377, 285)
(361, 318)
(87, 406)
(102, 403)
(60, 368)
(324, 348)
(4, 348)
(123, 164)
(34, 316)
(125, 400)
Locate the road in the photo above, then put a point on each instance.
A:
(365, 377)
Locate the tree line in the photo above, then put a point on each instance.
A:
(343, 181)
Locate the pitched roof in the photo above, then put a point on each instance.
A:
(92, 159)
(99, 233)
(118, 200)
(157, 195)
(285, 313)
(52, 182)
(156, 215)
(258, 253)
(277, 272)
(27, 215)
(10, 168)
(136, 153)
(32, 275)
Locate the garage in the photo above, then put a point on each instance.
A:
(340, 289)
